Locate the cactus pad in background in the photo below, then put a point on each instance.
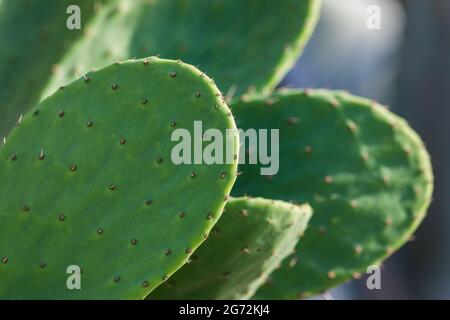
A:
(87, 180)
(364, 171)
(252, 52)
(34, 37)
(250, 240)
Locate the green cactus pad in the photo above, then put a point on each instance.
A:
(249, 53)
(250, 240)
(35, 37)
(88, 180)
(364, 171)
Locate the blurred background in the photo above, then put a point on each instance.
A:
(405, 65)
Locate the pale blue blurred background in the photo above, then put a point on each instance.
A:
(405, 65)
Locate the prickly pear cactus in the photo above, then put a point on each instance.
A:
(250, 240)
(35, 36)
(364, 171)
(87, 180)
(235, 51)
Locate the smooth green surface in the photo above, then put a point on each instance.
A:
(79, 172)
(364, 171)
(34, 38)
(244, 45)
(250, 240)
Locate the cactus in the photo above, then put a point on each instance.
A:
(87, 180)
(247, 244)
(363, 170)
(234, 51)
(87, 177)
(42, 34)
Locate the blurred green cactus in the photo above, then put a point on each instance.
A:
(251, 239)
(117, 30)
(87, 175)
(243, 54)
(31, 50)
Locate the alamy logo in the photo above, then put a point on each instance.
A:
(374, 280)
(74, 280)
(220, 149)
(373, 17)
(73, 22)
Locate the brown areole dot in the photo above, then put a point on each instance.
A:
(5, 260)
(144, 284)
(133, 242)
(112, 187)
(334, 104)
(90, 123)
(114, 86)
(61, 114)
(198, 94)
(168, 252)
(356, 275)
(292, 120)
(322, 230)
(41, 155)
(182, 214)
(62, 217)
(173, 74)
(308, 149)
(99, 231)
(365, 156)
(122, 141)
(73, 167)
(293, 262)
(144, 101)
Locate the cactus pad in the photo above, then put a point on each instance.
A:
(87, 180)
(364, 171)
(207, 33)
(250, 240)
